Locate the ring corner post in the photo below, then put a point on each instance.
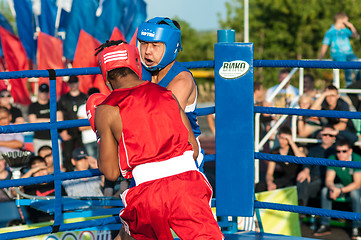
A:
(235, 130)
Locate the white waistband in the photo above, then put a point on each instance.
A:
(156, 170)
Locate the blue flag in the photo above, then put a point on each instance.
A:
(123, 14)
(64, 16)
(135, 15)
(82, 16)
(110, 17)
(26, 27)
(48, 16)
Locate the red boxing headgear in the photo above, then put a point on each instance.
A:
(118, 56)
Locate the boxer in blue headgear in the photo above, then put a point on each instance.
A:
(165, 31)
(159, 41)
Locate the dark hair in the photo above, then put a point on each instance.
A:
(44, 147)
(108, 44)
(73, 79)
(343, 142)
(93, 90)
(285, 130)
(4, 109)
(331, 87)
(174, 22)
(119, 72)
(339, 15)
(284, 70)
(256, 86)
(4, 90)
(310, 76)
(36, 159)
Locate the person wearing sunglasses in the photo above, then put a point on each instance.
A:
(311, 179)
(5, 101)
(341, 181)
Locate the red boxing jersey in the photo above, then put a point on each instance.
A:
(153, 130)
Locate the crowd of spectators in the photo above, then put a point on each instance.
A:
(337, 139)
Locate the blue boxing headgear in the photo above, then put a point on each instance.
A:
(163, 30)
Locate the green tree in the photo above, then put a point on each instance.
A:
(288, 29)
(197, 46)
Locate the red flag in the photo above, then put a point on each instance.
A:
(100, 84)
(16, 60)
(117, 35)
(84, 57)
(134, 38)
(50, 56)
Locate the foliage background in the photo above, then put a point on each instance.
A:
(290, 29)
(279, 29)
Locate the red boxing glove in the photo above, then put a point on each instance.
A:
(93, 101)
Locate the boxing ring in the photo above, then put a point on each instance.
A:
(235, 154)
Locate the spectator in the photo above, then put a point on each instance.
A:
(259, 100)
(37, 168)
(330, 100)
(307, 125)
(338, 37)
(9, 142)
(45, 150)
(91, 186)
(88, 137)
(5, 174)
(258, 94)
(311, 179)
(309, 85)
(68, 104)
(40, 112)
(287, 96)
(349, 184)
(5, 101)
(282, 174)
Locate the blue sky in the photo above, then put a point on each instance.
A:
(200, 14)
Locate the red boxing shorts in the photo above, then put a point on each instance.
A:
(180, 202)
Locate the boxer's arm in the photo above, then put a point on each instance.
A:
(184, 88)
(106, 117)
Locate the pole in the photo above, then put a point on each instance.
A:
(246, 21)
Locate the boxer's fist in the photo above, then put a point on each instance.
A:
(93, 101)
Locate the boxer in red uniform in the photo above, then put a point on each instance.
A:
(143, 133)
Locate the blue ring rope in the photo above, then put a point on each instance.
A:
(307, 64)
(54, 126)
(308, 210)
(190, 65)
(306, 160)
(49, 178)
(309, 112)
